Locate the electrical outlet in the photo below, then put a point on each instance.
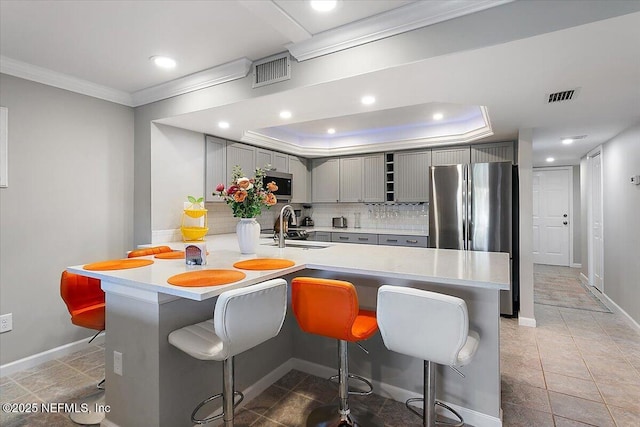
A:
(117, 363)
(6, 322)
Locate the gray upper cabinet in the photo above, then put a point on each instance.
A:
(498, 152)
(266, 159)
(242, 155)
(325, 180)
(215, 167)
(373, 186)
(351, 179)
(451, 156)
(301, 180)
(412, 176)
(362, 178)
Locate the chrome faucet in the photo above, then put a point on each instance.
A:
(282, 215)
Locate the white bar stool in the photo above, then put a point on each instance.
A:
(429, 326)
(242, 319)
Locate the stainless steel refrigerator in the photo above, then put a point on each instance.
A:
(471, 208)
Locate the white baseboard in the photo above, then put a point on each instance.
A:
(584, 279)
(576, 265)
(46, 356)
(618, 310)
(527, 321)
(401, 395)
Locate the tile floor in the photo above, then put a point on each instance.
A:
(577, 368)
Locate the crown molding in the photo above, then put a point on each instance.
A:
(213, 76)
(406, 144)
(45, 76)
(393, 22)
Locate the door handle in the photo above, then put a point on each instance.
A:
(565, 222)
(565, 215)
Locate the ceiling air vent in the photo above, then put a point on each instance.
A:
(271, 70)
(565, 95)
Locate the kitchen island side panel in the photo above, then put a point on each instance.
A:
(478, 391)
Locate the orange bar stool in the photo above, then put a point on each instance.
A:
(242, 319)
(149, 251)
(85, 301)
(330, 308)
(432, 327)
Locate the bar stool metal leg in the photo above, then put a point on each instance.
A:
(228, 396)
(343, 415)
(429, 401)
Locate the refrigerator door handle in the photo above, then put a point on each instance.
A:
(469, 206)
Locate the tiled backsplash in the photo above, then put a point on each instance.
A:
(403, 216)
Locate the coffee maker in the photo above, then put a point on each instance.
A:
(306, 216)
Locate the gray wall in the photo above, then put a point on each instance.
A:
(621, 201)
(69, 201)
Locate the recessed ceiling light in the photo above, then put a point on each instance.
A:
(223, 125)
(438, 116)
(331, 131)
(368, 100)
(550, 159)
(163, 61)
(285, 114)
(323, 5)
(567, 141)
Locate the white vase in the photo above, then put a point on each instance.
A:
(248, 232)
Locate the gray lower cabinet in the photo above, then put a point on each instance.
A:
(402, 240)
(369, 238)
(362, 238)
(320, 236)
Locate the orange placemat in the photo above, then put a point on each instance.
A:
(118, 264)
(170, 255)
(264, 264)
(206, 278)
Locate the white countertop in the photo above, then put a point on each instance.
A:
(451, 267)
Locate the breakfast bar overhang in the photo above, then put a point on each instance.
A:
(160, 385)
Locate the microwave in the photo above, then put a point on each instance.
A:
(284, 181)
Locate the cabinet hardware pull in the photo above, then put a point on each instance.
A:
(363, 238)
(392, 240)
(344, 238)
(412, 241)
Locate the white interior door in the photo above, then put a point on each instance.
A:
(596, 264)
(551, 216)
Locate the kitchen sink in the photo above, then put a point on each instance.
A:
(290, 244)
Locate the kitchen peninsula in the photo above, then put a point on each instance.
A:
(160, 385)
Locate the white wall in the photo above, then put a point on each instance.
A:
(177, 171)
(621, 201)
(525, 172)
(69, 201)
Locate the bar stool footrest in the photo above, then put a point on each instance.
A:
(217, 416)
(413, 409)
(359, 378)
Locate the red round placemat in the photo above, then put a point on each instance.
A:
(264, 264)
(206, 278)
(118, 264)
